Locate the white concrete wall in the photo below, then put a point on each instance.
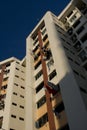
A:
(74, 106)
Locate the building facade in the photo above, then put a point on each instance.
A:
(47, 90)
(12, 94)
(56, 76)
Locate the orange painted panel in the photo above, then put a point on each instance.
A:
(41, 111)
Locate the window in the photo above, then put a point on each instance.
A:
(21, 96)
(35, 49)
(20, 118)
(60, 107)
(83, 55)
(41, 121)
(22, 79)
(41, 102)
(77, 63)
(4, 87)
(13, 116)
(14, 104)
(16, 76)
(83, 90)
(84, 38)
(36, 40)
(44, 31)
(70, 58)
(21, 106)
(39, 87)
(82, 76)
(45, 37)
(14, 93)
(17, 68)
(15, 84)
(1, 120)
(38, 75)
(70, 14)
(76, 23)
(17, 62)
(37, 65)
(52, 75)
(7, 65)
(80, 29)
(75, 72)
(22, 87)
(43, 26)
(5, 79)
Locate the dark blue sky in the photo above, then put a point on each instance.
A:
(17, 20)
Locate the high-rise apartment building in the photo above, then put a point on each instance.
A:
(12, 94)
(56, 65)
(47, 90)
(74, 18)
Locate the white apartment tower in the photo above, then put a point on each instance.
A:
(56, 71)
(12, 94)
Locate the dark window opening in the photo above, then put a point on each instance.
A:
(76, 23)
(22, 87)
(39, 87)
(60, 107)
(37, 65)
(85, 66)
(1, 120)
(4, 87)
(80, 29)
(41, 102)
(7, 65)
(38, 75)
(22, 107)
(13, 116)
(52, 75)
(84, 38)
(75, 72)
(45, 37)
(35, 49)
(70, 14)
(14, 104)
(83, 90)
(36, 40)
(20, 118)
(15, 93)
(40, 122)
